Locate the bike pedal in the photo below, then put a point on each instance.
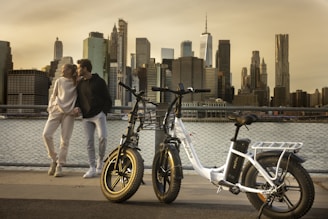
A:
(234, 190)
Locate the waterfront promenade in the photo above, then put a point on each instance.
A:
(31, 193)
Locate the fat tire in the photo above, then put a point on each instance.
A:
(302, 187)
(120, 185)
(166, 176)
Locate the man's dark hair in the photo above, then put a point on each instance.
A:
(85, 63)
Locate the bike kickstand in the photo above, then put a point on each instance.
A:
(219, 190)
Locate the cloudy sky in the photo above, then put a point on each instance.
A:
(31, 27)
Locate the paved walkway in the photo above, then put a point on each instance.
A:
(34, 194)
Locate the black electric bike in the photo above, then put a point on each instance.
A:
(123, 169)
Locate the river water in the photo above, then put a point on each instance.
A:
(21, 141)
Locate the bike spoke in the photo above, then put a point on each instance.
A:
(288, 202)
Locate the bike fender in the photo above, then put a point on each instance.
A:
(293, 156)
(116, 150)
(178, 167)
(110, 154)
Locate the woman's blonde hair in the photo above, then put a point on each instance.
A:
(73, 68)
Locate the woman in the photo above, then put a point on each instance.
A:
(61, 112)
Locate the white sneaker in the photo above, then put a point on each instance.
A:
(90, 173)
(99, 167)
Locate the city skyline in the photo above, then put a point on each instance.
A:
(249, 27)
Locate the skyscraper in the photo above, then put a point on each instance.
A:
(189, 71)
(282, 78)
(6, 64)
(113, 45)
(95, 49)
(58, 50)
(186, 49)
(167, 53)
(122, 53)
(142, 51)
(223, 65)
(264, 74)
(255, 70)
(206, 47)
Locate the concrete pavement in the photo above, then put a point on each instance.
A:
(33, 194)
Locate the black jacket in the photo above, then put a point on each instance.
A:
(93, 96)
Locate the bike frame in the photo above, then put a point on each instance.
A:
(215, 175)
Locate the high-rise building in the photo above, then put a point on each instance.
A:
(27, 87)
(206, 47)
(6, 64)
(255, 70)
(324, 94)
(142, 52)
(190, 72)
(244, 80)
(122, 53)
(167, 53)
(223, 65)
(58, 50)
(315, 99)
(95, 49)
(282, 77)
(113, 45)
(186, 49)
(263, 73)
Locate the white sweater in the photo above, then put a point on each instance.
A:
(63, 96)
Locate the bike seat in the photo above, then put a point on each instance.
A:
(243, 119)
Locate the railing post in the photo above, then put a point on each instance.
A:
(159, 133)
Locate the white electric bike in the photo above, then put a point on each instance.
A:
(273, 178)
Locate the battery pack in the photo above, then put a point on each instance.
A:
(236, 162)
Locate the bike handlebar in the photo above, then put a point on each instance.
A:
(136, 94)
(181, 91)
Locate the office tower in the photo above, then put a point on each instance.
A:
(255, 70)
(244, 79)
(315, 99)
(324, 94)
(282, 78)
(211, 82)
(190, 72)
(186, 49)
(113, 45)
(263, 73)
(206, 47)
(58, 50)
(167, 53)
(122, 52)
(142, 52)
(6, 64)
(299, 99)
(95, 49)
(223, 65)
(27, 87)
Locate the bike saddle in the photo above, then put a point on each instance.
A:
(243, 119)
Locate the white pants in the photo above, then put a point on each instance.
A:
(66, 122)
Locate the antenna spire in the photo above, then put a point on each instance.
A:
(206, 23)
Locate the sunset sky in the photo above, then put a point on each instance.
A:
(31, 27)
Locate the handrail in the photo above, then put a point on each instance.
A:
(226, 108)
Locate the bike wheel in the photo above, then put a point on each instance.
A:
(120, 183)
(295, 194)
(166, 175)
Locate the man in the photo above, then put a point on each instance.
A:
(94, 102)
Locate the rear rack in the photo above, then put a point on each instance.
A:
(277, 145)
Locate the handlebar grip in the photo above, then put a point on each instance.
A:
(123, 85)
(158, 89)
(202, 90)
